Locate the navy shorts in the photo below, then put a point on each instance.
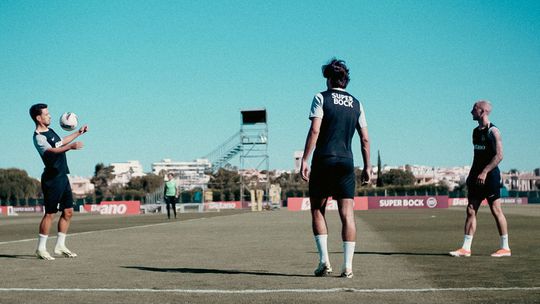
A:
(170, 200)
(490, 190)
(332, 176)
(57, 194)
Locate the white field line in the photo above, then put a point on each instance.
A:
(109, 230)
(263, 291)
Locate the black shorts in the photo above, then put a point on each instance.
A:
(332, 176)
(490, 190)
(170, 200)
(57, 194)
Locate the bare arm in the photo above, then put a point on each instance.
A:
(71, 137)
(365, 147)
(311, 141)
(72, 146)
(496, 159)
(67, 142)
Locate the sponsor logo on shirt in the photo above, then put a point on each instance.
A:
(479, 147)
(342, 100)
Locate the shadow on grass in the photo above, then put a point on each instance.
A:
(401, 253)
(394, 253)
(17, 256)
(214, 271)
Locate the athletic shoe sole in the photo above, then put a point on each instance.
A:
(460, 253)
(65, 252)
(44, 255)
(323, 271)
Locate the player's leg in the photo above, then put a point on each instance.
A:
(320, 231)
(173, 203)
(50, 199)
(168, 203)
(475, 196)
(498, 214)
(46, 223)
(63, 227)
(346, 214)
(44, 228)
(348, 234)
(344, 193)
(493, 189)
(318, 195)
(318, 215)
(470, 220)
(64, 222)
(469, 228)
(502, 226)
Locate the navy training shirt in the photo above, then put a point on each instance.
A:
(340, 113)
(55, 163)
(484, 148)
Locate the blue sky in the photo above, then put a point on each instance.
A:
(167, 79)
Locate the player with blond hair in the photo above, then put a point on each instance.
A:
(484, 180)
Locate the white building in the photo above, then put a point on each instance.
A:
(426, 175)
(188, 175)
(522, 181)
(123, 172)
(253, 175)
(81, 186)
(452, 176)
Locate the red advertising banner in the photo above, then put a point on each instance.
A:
(303, 203)
(222, 205)
(407, 202)
(37, 209)
(457, 202)
(115, 207)
(7, 210)
(504, 200)
(514, 200)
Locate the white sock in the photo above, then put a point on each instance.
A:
(321, 241)
(348, 254)
(504, 242)
(61, 240)
(467, 241)
(42, 242)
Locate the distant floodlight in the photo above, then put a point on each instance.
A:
(253, 116)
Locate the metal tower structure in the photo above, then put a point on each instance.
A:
(254, 150)
(221, 156)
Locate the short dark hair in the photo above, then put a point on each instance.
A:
(337, 72)
(36, 109)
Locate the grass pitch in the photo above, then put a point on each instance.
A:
(269, 257)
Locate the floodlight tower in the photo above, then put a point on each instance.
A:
(254, 151)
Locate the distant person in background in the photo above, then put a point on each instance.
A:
(335, 116)
(57, 195)
(484, 180)
(171, 195)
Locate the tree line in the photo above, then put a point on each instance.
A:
(15, 184)
(225, 184)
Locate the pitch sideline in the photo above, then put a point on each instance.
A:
(263, 291)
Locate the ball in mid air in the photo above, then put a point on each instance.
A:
(69, 121)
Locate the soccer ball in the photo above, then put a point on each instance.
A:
(68, 121)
